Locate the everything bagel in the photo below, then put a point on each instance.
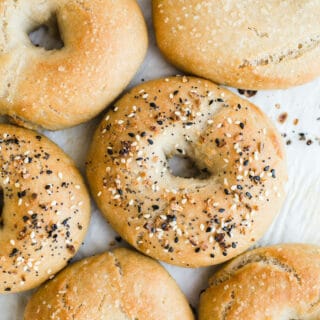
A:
(272, 283)
(208, 218)
(104, 43)
(44, 209)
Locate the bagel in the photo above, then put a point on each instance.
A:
(44, 209)
(104, 43)
(210, 217)
(244, 44)
(272, 283)
(115, 285)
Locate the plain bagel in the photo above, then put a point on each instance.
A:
(44, 209)
(117, 285)
(104, 44)
(204, 220)
(272, 283)
(245, 44)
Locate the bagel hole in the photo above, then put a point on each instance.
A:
(47, 35)
(185, 167)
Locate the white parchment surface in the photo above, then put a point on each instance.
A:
(299, 220)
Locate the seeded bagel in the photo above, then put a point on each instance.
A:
(272, 283)
(104, 43)
(197, 221)
(44, 209)
(118, 285)
(244, 44)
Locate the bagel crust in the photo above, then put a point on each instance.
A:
(44, 209)
(188, 222)
(105, 42)
(118, 285)
(244, 44)
(272, 283)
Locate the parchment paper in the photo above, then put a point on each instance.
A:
(299, 220)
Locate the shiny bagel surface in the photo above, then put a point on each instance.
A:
(104, 43)
(117, 285)
(201, 220)
(272, 283)
(244, 44)
(44, 209)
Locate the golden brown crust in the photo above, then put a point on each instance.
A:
(45, 210)
(244, 44)
(187, 222)
(272, 283)
(104, 43)
(119, 285)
